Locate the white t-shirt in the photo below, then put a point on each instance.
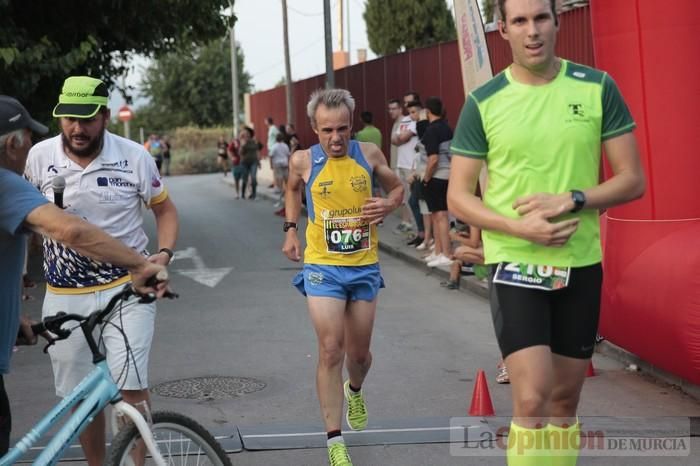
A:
(108, 193)
(406, 153)
(272, 133)
(279, 154)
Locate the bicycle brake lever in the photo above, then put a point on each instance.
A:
(49, 344)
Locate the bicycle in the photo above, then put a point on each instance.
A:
(168, 436)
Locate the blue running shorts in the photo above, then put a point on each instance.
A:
(353, 283)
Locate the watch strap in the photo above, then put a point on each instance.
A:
(168, 251)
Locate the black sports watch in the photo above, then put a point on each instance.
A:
(169, 252)
(579, 200)
(287, 225)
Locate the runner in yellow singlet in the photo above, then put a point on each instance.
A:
(341, 276)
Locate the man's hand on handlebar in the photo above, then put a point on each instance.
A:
(151, 278)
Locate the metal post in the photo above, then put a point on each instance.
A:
(234, 77)
(287, 66)
(330, 76)
(347, 33)
(127, 133)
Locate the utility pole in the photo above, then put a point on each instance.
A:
(287, 66)
(330, 76)
(347, 19)
(234, 76)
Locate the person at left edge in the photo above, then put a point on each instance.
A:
(108, 178)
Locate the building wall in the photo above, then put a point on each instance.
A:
(430, 71)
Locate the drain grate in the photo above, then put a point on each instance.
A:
(209, 388)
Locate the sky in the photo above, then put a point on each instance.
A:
(259, 33)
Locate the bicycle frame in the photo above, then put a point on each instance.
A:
(92, 395)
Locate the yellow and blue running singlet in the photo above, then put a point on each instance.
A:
(335, 193)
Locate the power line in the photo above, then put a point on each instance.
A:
(303, 49)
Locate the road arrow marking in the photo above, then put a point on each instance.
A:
(201, 274)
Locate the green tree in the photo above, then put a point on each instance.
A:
(488, 7)
(192, 86)
(42, 42)
(394, 25)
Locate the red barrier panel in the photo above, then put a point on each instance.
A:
(651, 293)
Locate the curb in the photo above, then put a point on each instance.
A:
(623, 356)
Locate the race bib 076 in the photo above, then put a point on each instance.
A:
(346, 235)
(539, 277)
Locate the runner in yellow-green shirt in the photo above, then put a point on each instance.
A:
(539, 126)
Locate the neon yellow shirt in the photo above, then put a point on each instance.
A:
(542, 139)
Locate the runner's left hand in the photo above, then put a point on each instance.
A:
(375, 209)
(546, 204)
(160, 258)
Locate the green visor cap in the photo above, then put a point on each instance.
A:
(81, 97)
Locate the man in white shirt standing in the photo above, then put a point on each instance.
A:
(107, 180)
(405, 138)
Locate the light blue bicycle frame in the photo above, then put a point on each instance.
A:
(95, 392)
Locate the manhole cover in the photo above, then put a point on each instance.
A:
(209, 388)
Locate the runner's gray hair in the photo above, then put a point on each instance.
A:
(19, 140)
(331, 98)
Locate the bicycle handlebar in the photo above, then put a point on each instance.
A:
(54, 323)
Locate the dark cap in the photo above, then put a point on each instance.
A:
(14, 116)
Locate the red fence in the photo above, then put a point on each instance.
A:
(429, 71)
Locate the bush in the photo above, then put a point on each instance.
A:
(194, 149)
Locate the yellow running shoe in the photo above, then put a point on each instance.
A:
(338, 455)
(356, 415)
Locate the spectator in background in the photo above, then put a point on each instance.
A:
(154, 147)
(250, 160)
(291, 131)
(405, 138)
(234, 155)
(394, 109)
(436, 139)
(221, 154)
(294, 143)
(417, 184)
(410, 97)
(272, 132)
(469, 252)
(414, 111)
(369, 132)
(279, 157)
(166, 155)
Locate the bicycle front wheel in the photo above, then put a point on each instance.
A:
(180, 440)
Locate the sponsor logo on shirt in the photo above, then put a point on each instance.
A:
(577, 113)
(358, 183)
(155, 182)
(120, 164)
(349, 212)
(52, 169)
(114, 181)
(324, 189)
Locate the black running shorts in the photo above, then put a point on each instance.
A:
(566, 320)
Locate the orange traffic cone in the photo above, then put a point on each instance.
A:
(591, 371)
(481, 399)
